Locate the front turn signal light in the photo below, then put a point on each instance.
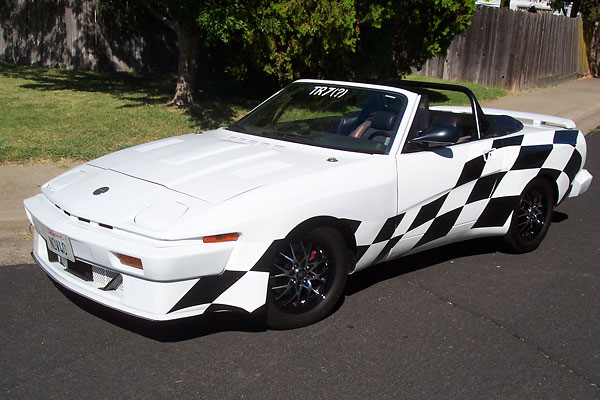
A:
(226, 237)
(131, 261)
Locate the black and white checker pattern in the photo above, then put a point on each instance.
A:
(491, 198)
(225, 291)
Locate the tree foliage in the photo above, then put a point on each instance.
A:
(590, 9)
(398, 35)
(287, 39)
(349, 39)
(284, 39)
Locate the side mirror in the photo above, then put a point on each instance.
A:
(439, 135)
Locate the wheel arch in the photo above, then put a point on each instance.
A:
(346, 228)
(552, 180)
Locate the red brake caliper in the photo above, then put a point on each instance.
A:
(312, 255)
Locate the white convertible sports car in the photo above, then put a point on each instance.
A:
(323, 179)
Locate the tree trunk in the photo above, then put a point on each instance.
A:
(186, 68)
(575, 8)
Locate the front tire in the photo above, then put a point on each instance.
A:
(308, 275)
(531, 217)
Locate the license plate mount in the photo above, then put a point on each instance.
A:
(60, 245)
(63, 261)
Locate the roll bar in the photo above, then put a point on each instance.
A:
(480, 118)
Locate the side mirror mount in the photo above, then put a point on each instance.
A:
(439, 135)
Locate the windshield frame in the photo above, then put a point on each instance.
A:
(329, 139)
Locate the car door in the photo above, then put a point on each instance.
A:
(442, 192)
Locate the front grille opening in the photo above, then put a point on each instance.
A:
(83, 219)
(81, 270)
(105, 226)
(107, 280)
(103, 279)
(52, 257)
(78, 268)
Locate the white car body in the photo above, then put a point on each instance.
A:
(165, 197)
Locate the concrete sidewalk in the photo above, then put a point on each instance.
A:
(577, 100)
(18, 182)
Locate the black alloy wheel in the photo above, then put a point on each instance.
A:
(531, 217)
(308, 274)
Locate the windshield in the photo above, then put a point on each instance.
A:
(333, 116)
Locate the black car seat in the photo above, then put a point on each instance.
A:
(382, 124)
(348, 123)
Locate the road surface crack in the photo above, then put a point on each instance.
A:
(538, 349)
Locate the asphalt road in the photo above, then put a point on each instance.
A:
(466, 321)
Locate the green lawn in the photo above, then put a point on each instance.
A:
(444, 97)
(54, 114)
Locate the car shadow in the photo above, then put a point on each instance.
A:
(169, 331)
(391, 269)
(232, 321)
(558, 217)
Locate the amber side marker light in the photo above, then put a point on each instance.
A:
(226, 237)
(131, 261)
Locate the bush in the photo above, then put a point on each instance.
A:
(347, 39)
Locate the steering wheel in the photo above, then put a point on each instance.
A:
(373, 135)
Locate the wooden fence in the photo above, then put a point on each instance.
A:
(514, 50)
(71, 34)
(504, 48)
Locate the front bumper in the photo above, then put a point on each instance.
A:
(170, 269)
(581, 183)
(136, 297)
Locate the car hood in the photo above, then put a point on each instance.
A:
(217, 165)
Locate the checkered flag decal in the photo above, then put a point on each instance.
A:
(495, 195)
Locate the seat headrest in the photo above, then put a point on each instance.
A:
(383, 120)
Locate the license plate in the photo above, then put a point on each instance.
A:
(61, 245)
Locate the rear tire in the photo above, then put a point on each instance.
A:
(308, 275)
(531, 217)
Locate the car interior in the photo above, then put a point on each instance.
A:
(465, 124)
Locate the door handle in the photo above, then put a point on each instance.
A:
(486, 154)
